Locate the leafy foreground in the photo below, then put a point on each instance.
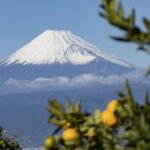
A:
(113, 12)
(123, 125)
(8, 143)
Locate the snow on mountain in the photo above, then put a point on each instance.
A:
(59, 47)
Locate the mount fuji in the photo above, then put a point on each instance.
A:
(58, 64)
(59, 53)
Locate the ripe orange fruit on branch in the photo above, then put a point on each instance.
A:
(70, 134)
(108, 118)
(112, 105)
(49, 142)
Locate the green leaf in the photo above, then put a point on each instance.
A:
(56, 105)
(57, 122)
(90, 120)
(120, 11)
(146, 23)
(121, 39)
(70, 107)
(146, 100)
(71, 142)
(78, 106)
(148, 71)
(129, 93)
(132, 19)
(143, 124)
(84, 128)
(97, 116)
(69, 118)
(132, 135)
(121, 95)
(55, 112)
(103, 4)
(112, 5)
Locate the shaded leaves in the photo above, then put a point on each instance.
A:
(114, 14)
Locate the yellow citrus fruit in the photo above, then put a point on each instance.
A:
(112, 105)
(70, 134)
(2, 143)
(108, 118)
(49, 143)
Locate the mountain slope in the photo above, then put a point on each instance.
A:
(59, 53)
(59, 47)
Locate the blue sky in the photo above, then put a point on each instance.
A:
(22, 20)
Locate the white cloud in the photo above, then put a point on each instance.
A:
(83, 80)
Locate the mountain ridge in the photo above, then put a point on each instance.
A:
(62, 47)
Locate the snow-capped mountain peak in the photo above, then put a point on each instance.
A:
(59, 47)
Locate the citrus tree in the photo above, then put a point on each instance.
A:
(8, 143)
(124, 124)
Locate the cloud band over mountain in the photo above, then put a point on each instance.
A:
(63, 82)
